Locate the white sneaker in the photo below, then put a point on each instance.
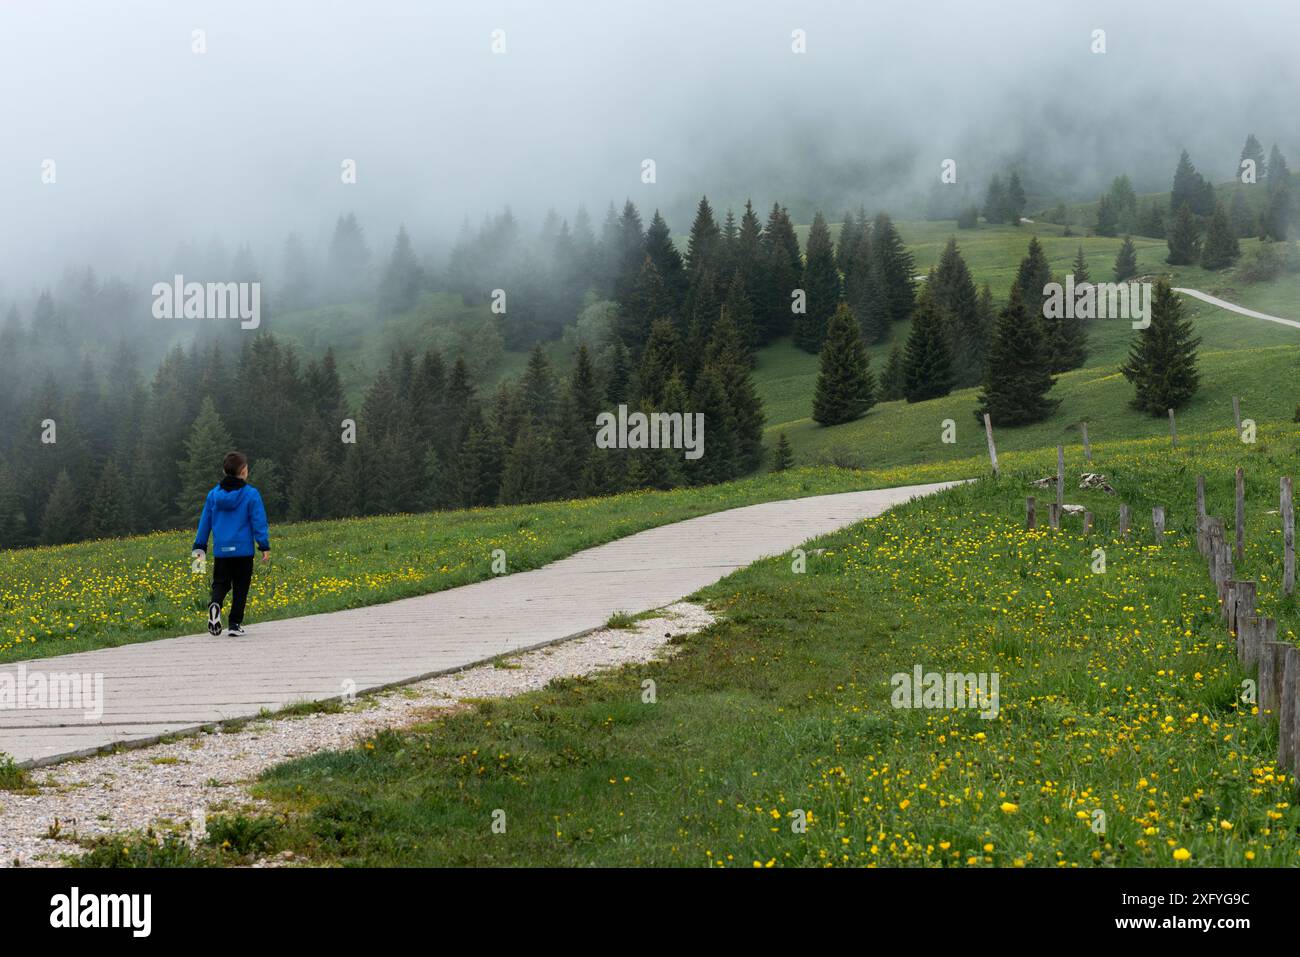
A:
(214, 619)
(236, 631)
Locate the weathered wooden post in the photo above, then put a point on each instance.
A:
(1054, 515)
(1173, 430)
(1229, 606)
(1286, 707)
(1060, 475)
(1236, 414)
(1272, 656)
(993, 449)
(1241, 512)
(1248, 641)
(1288, 539)
(1031, 513)
(1158, 523)
(1087, 446)
(1124, 520)
(1087, 522)
(1243, 606)
(1243, 610)
(1295, 731)
(1200, 496)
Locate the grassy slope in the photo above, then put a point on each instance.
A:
(67, 598)
(1239, 356)
(1118, 693)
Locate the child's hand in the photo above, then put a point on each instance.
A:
(266, 557)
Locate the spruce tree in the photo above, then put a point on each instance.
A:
(1253, 150)
(995, 201)
(821, 285)
(1184, 238)
(1016, 380)
(845, 386)
(1162, 359)
(1220, 248)
(719, 461)
(528, 467)
(1126, 265)
(110, 509)
(1243, 218)
(1151, 223)
(647, 301)
(1191, 189)
(891, 381)
(1107, 217)
(847, 242)
(927, 364)
(1033, 276)
(13, 518)
(200, 470)
(782, 455)
(741, 309)
(61, 521)
(403, 278)
(1015, 199)
(781, 272)
(663, 253)
(704, 245)
(1275, 220)
(618, 381)
(728, 357)
(659, 363)
(1079, 269)
(896, 267)
(537, 388)
(954, 293)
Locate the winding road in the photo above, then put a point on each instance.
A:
(1232, 307)
(179, 685)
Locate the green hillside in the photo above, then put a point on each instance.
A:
(1252, 358)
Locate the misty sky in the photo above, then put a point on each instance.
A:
(155, 144)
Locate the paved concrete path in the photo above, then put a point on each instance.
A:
(177, 685)
(1233, 307)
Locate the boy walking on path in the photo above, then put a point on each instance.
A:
(235, 517)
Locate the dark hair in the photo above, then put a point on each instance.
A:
(234, 462)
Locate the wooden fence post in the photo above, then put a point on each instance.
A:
(1124, 519)
(1229, 606)
(1158, 523)
(993, 449)
(1087, 522)
(1054, 515)
(1236, 414)
(1272, 655)
(1248, 642)
(1031, 513)
(1087, 447)
(1288, 539)
(1060, 475)
(1243, 605)
(1241, 512)
(1173, 429)
(1200, 496)
(1286, 707)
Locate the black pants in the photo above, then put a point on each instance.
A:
(236, 573)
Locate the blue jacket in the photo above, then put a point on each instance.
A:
(235, 517)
